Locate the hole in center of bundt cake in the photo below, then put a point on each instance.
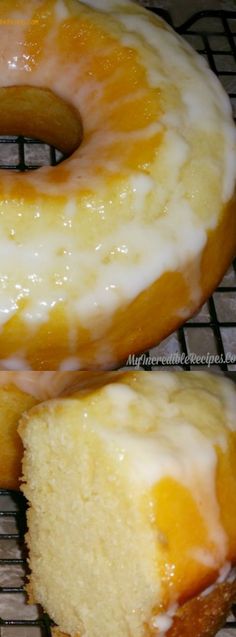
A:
(40, 114)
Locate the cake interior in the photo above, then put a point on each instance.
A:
(91, 534)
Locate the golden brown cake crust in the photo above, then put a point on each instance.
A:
(206, 613)
(13, 403)
(66, 132)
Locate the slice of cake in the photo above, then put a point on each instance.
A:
(132, 490)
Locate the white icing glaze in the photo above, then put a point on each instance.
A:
(203, 557)
(61, 10)
(230, 404)
(14, 363)
(121, 257)
(70, 364)
(164, 621)
(161, 454)
(41, 385)
(142, 186)
(164, 424)
(226, 574)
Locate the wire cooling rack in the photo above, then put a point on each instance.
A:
(210, 337)
(17, 619)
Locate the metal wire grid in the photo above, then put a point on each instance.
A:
(17, 619)
(213, 330)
